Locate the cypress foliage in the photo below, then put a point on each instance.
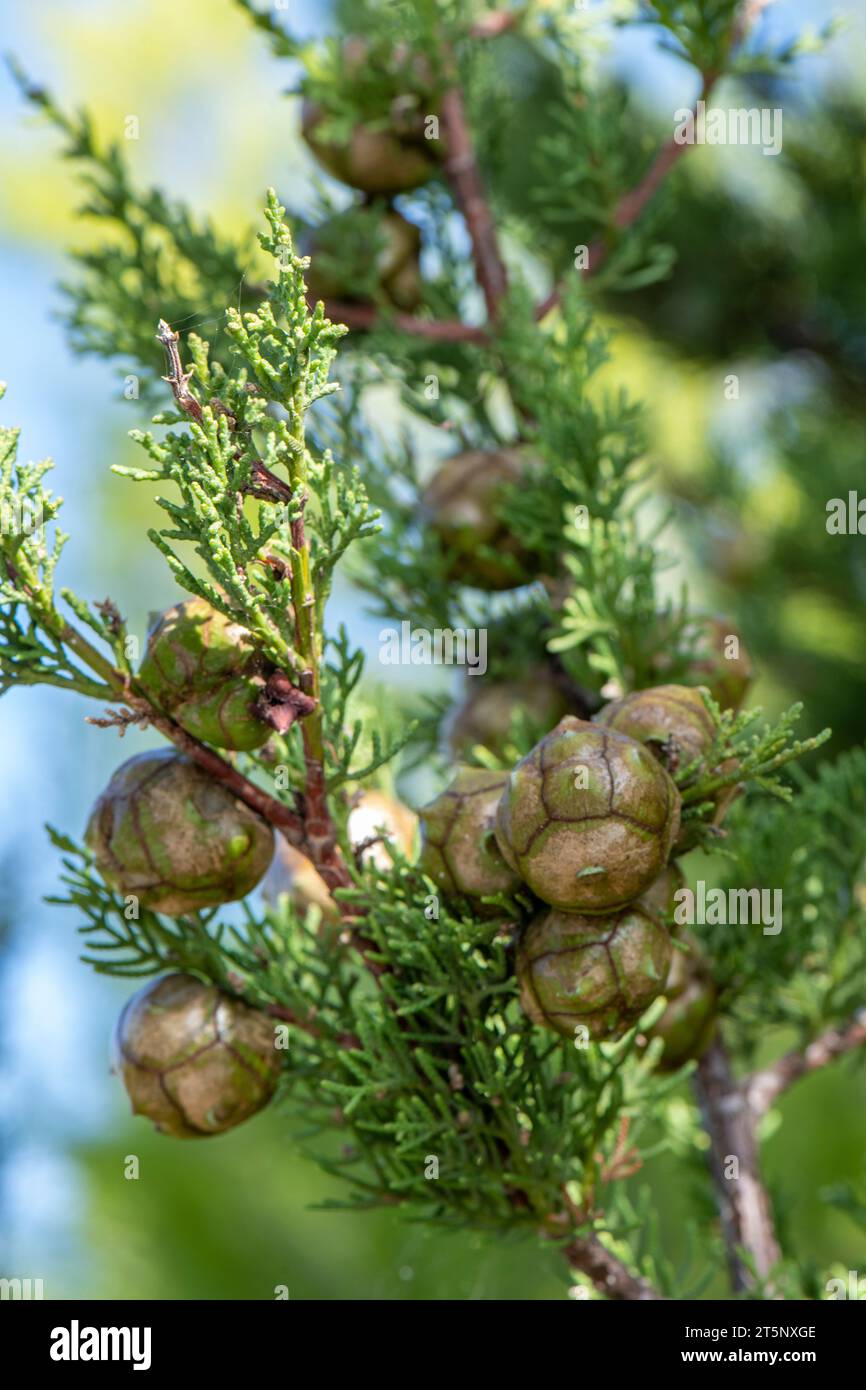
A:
(400, 1015)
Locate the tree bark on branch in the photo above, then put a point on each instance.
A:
(462, 171)
(609, 1275)
(744, 1206)
(764, 1087)
(731, 1111)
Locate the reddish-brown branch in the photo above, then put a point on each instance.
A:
(319, 829)
(311, 832)
(272, 809)
(144, 712)
(265, 485)
(490, 269)
(631, 205)
(463, 172)
(364, 316)
(764, 1087)
(609, 1275)
(319, 832)
(461, 169)
(744, 1206)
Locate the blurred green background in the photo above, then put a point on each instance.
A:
(769, 285)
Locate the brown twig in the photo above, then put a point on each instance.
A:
(764, 1087)
(490, 269)
(270, 807)
(120, 719)
(625, 1160)
(319, 829)
(731, 1111)
(744, 1206)
(177, 378)
(631, 205)
(364, 316)
(461, 169)
(263, 483)
(266, 486)
(587, 1253)
(609, 1275)
(121, 687)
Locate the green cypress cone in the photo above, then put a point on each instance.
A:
(166, 832)
(460, 505)
(671, 719)
(460, 852)
(193, 1060)
(203, 670)
(601, 972)
(588, 819)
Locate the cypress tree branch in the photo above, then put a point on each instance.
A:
(631, 205)
(270, 807)
(439, 1060)
(318, 834)
(177, 378)
(629, 208)
(609, 1275)
(125, 690)
(744, 1206)
(295, 385)
(461, 168)
(117, 684)
(364, 316)
(764, 1087)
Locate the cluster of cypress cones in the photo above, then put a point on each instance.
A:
(586, 827)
